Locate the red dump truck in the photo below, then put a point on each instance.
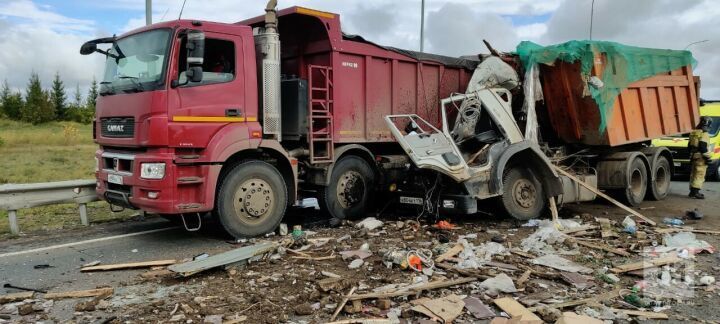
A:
(242, 120)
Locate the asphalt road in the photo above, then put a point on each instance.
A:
(17, 265)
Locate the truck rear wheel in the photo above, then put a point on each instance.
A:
(348, 195)
(660, 187)
(523, 196)
(252, 199)
(634, 194)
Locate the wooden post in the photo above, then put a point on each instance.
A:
(12, 217)
(83, 214)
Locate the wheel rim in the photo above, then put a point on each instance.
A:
(662, 180)
(636, 185)
(524, 193)
(253, 200)
(350, 189)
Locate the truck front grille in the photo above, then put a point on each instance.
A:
(117, 127)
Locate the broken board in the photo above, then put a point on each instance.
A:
(516, 310)
(646, 264)
(80, 293)
(13, 297)
(133, 265)
(225, 258)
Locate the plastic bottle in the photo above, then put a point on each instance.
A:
(629, 225)
(673, 221)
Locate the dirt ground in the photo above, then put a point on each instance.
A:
(286, 286)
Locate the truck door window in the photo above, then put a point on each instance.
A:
(218, 62)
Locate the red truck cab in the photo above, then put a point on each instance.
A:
(162, 141)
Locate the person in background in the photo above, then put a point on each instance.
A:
(700, 153)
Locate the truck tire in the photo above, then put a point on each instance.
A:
(348, 195)
(660, 187)
(637, 182)
(252, 199)
(523, 197)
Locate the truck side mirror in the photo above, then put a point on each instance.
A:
(194, 73)
(88, 48)
(195, 55)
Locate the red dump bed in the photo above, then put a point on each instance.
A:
(662, 105)
(368, 81)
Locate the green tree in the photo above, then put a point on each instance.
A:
(4, 95)
(58, 97)
(12, 102)
(92, 95)
(38, 107)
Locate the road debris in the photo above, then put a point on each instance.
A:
(225, 258)
(79, 293)
(123, 266)
(13, 297)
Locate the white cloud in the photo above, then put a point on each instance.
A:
(37, 40)
(531, 32)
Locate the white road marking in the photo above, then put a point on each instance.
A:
(59, 246)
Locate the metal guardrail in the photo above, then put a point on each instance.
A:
(18, 196)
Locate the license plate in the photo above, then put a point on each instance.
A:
(116, 179)
(411, 200)
(677, 164)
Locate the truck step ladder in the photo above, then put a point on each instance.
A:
(320, 106)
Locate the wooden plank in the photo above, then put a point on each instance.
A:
(516, 310)
(648, 315)
(599, 298)
(342, 304)
(608, 198)
(646, 264)
(414, 290)
(229, 257)
(133, 265)
(13, 297)
(452, 252)
(581, 228)
(603, 247)
(80, 293)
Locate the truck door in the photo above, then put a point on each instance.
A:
(216, 100)
(427, 146)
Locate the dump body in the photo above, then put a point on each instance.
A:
(663, 105)
(369, 81)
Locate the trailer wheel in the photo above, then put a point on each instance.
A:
(252, 199)
(661, 173)
(634, 194)
(348, 194)
(523, 196)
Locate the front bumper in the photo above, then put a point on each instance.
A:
(173, 194)
(448, 203)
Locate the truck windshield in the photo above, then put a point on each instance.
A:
(136, 63)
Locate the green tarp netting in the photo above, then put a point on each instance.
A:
(630, 64)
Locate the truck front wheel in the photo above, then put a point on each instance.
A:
(352, 182)
(523, 196)
(252, 199)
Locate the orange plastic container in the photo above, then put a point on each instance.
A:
(662, 105)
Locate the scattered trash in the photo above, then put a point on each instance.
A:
(80, 293)
(500, 283)
(357, 263)
(370, 224)
(694, 214)
(282, 229)
(687, 241)
(445, 225)
(478, 309)
(573, 318)
(446, 309)
(707, 280)
(134, 250)
(629, 225)
(42, 266)
(532, 223)
(557, 262)
(673, 221)
(229, 257)
(577, 280)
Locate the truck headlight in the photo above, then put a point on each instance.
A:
(97, 164)
(152, 170)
